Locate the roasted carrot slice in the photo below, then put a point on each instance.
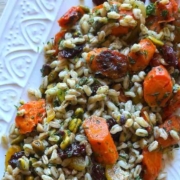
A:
(152, 24)
(158, 87)
(96, 130)
(166, 12)
(173, 106)
(140, 60)
(122, 30)
(152, 162)
(108, 63)
(57, 40)
(172, 123)
(71, 17)
(34, 112)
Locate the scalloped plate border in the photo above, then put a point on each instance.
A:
(25, 26)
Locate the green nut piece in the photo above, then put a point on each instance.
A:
(23, 164)
(54, 139)
(38, 147)
(18, 140)
(52, 76)
(79, 112)
(61, 95)
(66, 140)
(30, 177)
(65, 143)
(74, 124)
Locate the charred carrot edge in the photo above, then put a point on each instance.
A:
(34, 112)
(71, 17)
(97, 132)
(172, 123)
(140, 60)
(161, 91)
(152, 163)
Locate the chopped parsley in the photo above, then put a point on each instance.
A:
(164, 13)
(131, 60)
(150, 9)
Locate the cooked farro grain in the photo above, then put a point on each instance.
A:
(80, 78)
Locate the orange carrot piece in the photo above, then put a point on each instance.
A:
(158, 87)
(108, 63)
(152, 24)
(139, 60)
(34, 113)
(166, 12)
(122, 30)
(71, 17)
(97, 132)
(172, 123)
(152, 162)
(173, 106)
(57, 40)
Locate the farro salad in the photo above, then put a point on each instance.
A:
(108, 105)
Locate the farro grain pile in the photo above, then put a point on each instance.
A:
(81, 79)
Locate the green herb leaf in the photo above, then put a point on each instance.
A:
(150, 9)
(164, 13)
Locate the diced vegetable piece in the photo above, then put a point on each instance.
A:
(152, 162)
(96, 130)
(34, 112)
(108, 63)
(11, 151)
(77, 163)
(166, 12)
(158, 87)
(173, 106)
(71, 17)
(57, 39)
(74, 125)
(140, 59)
(172, 123)
(114, 172)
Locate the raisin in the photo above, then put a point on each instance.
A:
(98, 172)
(169, 55)
(73, 150)
(95, 86)
(155, 61)
(14, 158)
(71, 53)
(98, 2)
(46, 69)
(122, 120)
(111, 122)
(111, 64)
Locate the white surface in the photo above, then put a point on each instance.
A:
(25, 26)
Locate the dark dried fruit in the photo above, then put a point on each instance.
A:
(46, 69)
(98, 2)
(14, 158)
(98, 172)
(122, 120)
(74, 150)
(71, 53)
(110, 63)
(169, 55)
(155, 61)
(95, 86)
(111, 122)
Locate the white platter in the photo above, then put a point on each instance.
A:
(25, 26)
